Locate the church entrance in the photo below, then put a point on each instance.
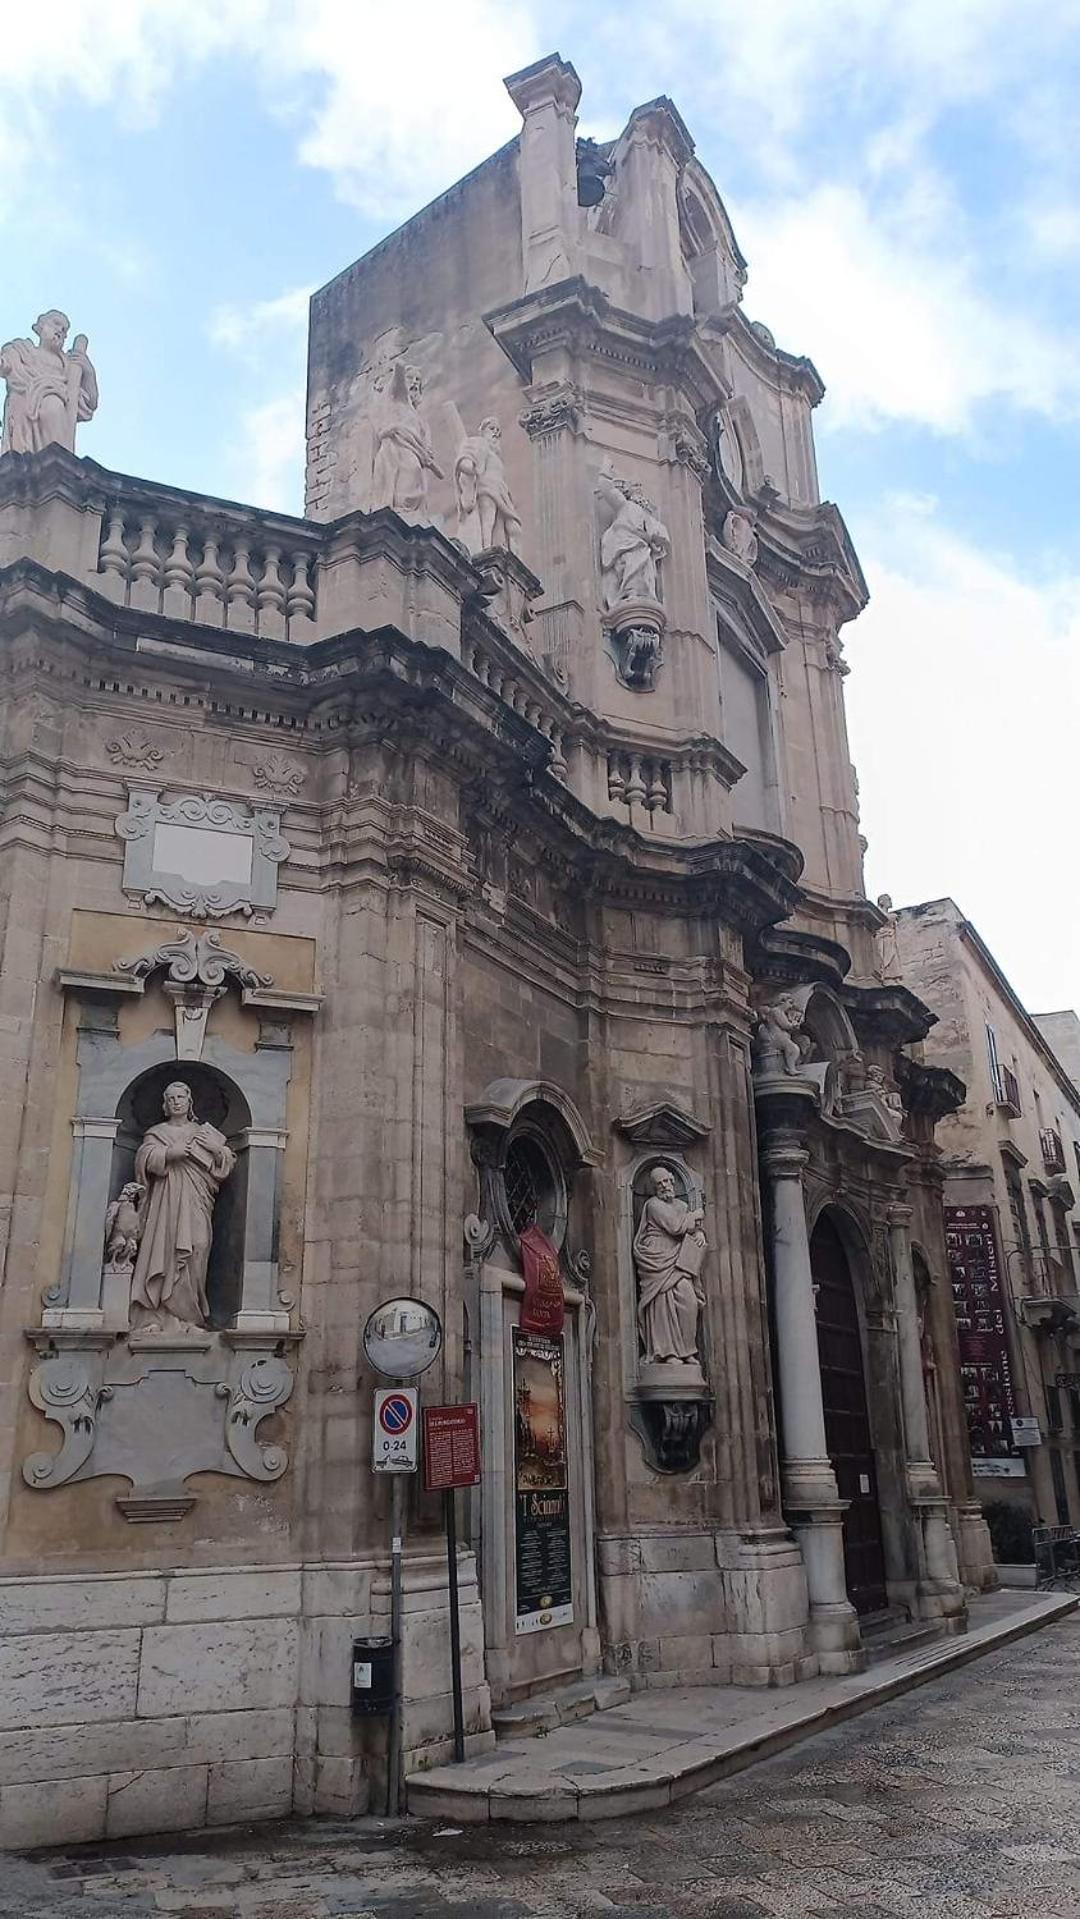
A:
(847, 1423)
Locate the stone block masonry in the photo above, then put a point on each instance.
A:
(149, 1702)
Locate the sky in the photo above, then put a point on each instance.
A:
(904, 181)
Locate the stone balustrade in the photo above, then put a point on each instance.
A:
(517, 686)
(225, 573)
(640, 782)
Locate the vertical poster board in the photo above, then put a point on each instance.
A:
(544, 1593)
(985, 1371)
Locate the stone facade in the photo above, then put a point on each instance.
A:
(466, 891)
(1012, 1151)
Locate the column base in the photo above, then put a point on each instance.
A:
(833, 1633)
(974, 1550)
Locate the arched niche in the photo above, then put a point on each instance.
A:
(217, 1099)
(528, 1142)
(117, 1088)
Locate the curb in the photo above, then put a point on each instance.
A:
(566, 1800)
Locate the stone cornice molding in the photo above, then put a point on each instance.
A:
(889, 1013)
(660, 122)
(550, 79)
(810, 549)
(583, 322)
(791, 958)
(929, 1090)
(742, 598)
(792, 372)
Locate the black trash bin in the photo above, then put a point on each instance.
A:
(373, 1676)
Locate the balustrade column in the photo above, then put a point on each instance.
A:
(812, 1503)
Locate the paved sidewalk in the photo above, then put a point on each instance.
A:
(665, 1744)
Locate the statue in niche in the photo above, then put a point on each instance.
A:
(780, 1044)
(486, 513)
(403, 455)
(183, 1162)
(49, 391)
(890, 1096)
(633, 541)
(669, 1247)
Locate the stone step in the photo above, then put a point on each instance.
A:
(900, 1638)
(544, 1711)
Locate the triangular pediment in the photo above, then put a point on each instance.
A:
(662, 1125)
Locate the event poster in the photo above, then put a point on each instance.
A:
(541, 1492)
(985, 1372)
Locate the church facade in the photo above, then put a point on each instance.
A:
(461, 879)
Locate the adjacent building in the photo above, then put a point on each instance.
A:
(1011, 1159)
(455, 895)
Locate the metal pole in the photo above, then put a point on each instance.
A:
(450, 1510)
(397, 1540)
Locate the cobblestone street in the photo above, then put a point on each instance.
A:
(959, 1801)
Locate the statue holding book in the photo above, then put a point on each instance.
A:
(183, 1162)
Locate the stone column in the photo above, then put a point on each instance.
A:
(811, 1502)
(89, 1197)
(261, 1310)
(939, 1590)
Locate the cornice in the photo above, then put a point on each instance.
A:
(931, 1090)
(379, 680)
(579, 318)
(890, 1013)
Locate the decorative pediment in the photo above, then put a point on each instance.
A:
(662, 1125)
(195, 959)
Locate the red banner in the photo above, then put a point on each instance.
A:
(542, 1309)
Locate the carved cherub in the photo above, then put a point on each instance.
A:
(124, 1224)
(780, 1045)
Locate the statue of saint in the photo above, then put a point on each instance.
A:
(890, 965)
(403, 455)
(633, 541)
(487, 515)
(669, 1247)
(183, 1162)
(48, 391)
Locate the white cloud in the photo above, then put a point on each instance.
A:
(962, 707)
(267, 460)
(898, 327)
(240, 327)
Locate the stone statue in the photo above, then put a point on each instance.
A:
(737, 534)
(890, 965)
(48, 391)
(669, 1247)
(890, 1096)
(633, 541)
(123, 1225)
(487, 515)
(780, 1045)
(183, 1162)
(403, 455)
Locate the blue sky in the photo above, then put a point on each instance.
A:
(905, 183)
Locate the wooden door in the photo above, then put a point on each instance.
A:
(847, 1423)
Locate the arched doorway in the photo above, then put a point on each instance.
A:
(847, 1422)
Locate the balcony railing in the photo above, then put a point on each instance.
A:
(1007, 1091)
(1053, 1152)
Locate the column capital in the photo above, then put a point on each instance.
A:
(784, 1159)
(551, 81)
(900, 1216)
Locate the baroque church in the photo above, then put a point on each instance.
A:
(461, 880)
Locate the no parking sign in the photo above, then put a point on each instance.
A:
(394, 1430)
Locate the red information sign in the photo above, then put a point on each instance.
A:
(451, 1447)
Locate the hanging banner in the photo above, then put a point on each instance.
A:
(543, 1308)
(541, 1492)
(985, 1372)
